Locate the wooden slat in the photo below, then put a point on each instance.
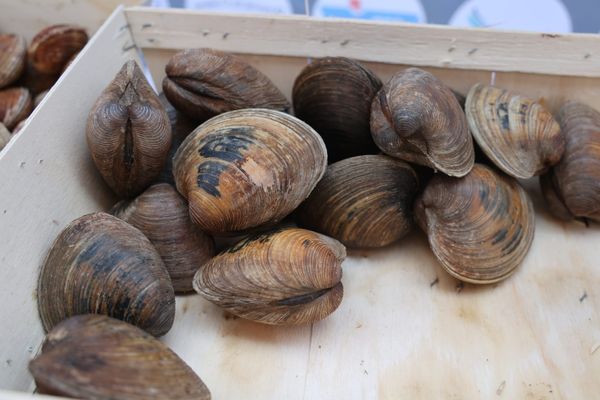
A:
(421, 45)
(48, 179)
(28, 17)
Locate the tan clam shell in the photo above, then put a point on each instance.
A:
(203, 83)
(4, 136)
(128, 133)
(416, 118)
(54, 46)
(333, 95)
(572, 187)
(162, 215)
(247, 168)
(286, 277)
(363, 201)
(15, 106)
(13, 56)
(518, 134)
(480, 227)
(102, 265)
(96, 357)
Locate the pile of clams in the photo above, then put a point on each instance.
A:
(220, 158)
(28, 72)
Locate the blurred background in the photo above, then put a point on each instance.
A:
(535, 15)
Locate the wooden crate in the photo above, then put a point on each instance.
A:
(405, 328)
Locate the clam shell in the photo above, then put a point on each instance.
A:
(286, 277)
(53, 46)
(363, 201)
(247, 168)
(13, 55)
(572, 187)
(162, 215)
(128, 133)
(334, 95)
(479, 227)
(518, 134)
(37, 82)
(203, 83)
(96, 357)
(4, 136)
(15, 106)
(102, 265)
(416, 118)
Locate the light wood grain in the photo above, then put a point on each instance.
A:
(424, 45)
(28, 17)
(48, 179)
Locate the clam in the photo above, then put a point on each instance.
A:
(15, 106)
(4, 136)
(102, 265)
(53, 46)
(128, 133)
(363, 201)
(97, 357)
(203, 83)
(334, 95)
(416, 118)
(248, 168)
(518, 134)
(572, 187)
(13, 55)
(181, 127)
(479, 227)
(284, 277)
(37, 82)
(162, 215)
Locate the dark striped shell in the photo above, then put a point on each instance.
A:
(363, 201)
(480, 227)
(248, 168)
(162, 215)
(516, 133)
(51, 49)
(15, 105)
(284, 277)
(416, 118)
(13, 56)
(203, 83)
(572, 187)
(102, 265)
(334, 95)
(128, 133)
(96, 357)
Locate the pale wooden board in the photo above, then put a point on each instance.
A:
(28, 17)
(425, 45)
(48, 180)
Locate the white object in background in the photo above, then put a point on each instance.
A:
(242, 6)
(382, 10)
(530, 15)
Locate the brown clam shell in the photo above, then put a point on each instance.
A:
(15, 106)
(128, 133)
(97, 357)
(416, 118)
(248, 168)
(13, 57)
(285, 277)
(572, 187)
(363, 201)
(4, 136)
(101, 265)
(37, 82)
(162, 215)
(334, 95)
(203, 83)
(518, 134)
(53, 46)
(480, 227)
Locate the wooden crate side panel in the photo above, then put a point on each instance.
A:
(422, 45)
(48, 179)
(553, 90)
(29, 17)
